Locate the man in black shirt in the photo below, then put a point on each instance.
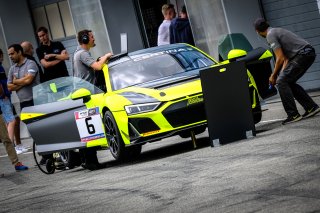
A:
(52, 56)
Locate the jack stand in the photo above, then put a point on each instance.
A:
(193, 138)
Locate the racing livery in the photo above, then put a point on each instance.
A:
(142, 96)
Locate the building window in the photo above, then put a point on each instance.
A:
(56, 17)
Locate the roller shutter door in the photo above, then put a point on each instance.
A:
(303, 18)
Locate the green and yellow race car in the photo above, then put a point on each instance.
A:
(140, 97)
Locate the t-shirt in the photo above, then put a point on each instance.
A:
(60, 69)
(163, 33)
(82, 60)
(289, 42)
(28, 67)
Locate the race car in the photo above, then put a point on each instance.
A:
(140, 97)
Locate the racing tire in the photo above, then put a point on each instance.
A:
(116, 144)
(72, 158)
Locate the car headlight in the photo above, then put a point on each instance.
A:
(141, 108)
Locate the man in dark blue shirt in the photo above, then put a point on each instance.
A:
(180, 29)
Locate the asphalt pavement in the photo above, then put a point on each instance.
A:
(276, 171)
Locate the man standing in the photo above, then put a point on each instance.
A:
(84, 67)
(52, 56)
(168, 13)
(22, 76)
(294, 56)
(180, 29)
(28, 53)
(8, 111)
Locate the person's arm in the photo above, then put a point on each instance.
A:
(46, 64)
(26, 80)
(281, 62)
(49, 60)
(60, 57)
(13, 87)
(97, 65)
(2, 94)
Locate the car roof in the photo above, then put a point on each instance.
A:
(162, 48)
(158, 49)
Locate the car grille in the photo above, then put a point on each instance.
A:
(185, 112)
(143, 125)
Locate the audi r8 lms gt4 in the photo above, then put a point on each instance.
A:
(140, 97)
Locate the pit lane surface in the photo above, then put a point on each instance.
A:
(276, 171)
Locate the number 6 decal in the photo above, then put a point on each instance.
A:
(89, 124)
(90, 127)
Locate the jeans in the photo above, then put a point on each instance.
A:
(287, 83)
(7, 142)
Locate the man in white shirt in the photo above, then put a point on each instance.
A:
(169, 13)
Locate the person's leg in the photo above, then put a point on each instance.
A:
(303, 62)
(89, 158)
(289, 89)
(16, 127)
(284, 81)
(8, 116)
(7, 143)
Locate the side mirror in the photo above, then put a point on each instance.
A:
(235, 54)
(81, 93)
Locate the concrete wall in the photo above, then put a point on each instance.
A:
(121, 18)
(17, 21)
(17, 27)
(240, 17)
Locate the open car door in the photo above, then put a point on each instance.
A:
(257, 61)
(64, 116)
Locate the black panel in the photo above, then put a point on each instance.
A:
(144, 125)
(181, 114)
(227, 102)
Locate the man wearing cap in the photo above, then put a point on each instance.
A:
(294, 56)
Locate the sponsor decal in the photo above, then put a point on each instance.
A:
(163, 52)
(195, 100)
(150, 133)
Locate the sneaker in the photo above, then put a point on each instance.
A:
(292, 119)
(18, 151)
(20, 167)
(311, 112)
(21, 149)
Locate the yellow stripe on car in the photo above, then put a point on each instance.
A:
(26, 116)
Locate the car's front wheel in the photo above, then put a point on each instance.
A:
(116, 144)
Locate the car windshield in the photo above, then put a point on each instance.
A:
(60, 89)
(149, 67)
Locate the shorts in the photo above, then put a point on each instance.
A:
(6, 109)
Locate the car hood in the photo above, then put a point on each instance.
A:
(164, 89)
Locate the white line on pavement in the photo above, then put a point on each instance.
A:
(2, 156)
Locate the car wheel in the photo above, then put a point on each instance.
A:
(71, 158)
(116, 144)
